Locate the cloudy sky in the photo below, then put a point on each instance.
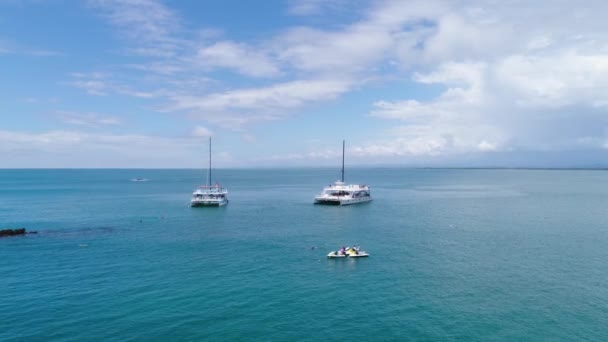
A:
(144, 83)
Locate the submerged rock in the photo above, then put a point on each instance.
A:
(14, 232)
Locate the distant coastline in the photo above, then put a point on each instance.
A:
(354, 166)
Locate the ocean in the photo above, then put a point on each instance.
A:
(455, 255)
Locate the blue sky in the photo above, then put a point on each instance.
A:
(143, 83)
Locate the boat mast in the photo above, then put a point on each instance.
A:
(343, 161)
(209, 162)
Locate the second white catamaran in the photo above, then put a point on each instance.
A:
(209, 195)
(340, 193)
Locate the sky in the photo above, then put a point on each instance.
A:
(280, 83)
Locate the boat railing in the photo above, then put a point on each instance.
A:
(346, 187)
(213, 189)
(217, 186)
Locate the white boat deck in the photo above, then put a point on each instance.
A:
(214, 195)
(343, 194)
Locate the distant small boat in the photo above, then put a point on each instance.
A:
(341, 193)
(348, 252)
(335, 254)
(209, 195)
(139, 179)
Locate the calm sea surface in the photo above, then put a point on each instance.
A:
(456, 255)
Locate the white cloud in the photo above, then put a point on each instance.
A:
(94, 83)
(319, 65)
(12, 47)
(408, 110)
(556, 80)
(249, 138)
(486, 146)
(201, 132)
(5, 48)
(506, 80)
(80, 149)
(16, 140)
(508, 85)
(327, 154)
(167, 68)
(103, 84)
(93, 87)
(259, 103)
(148, 22)
(307, 7)
(464, 96)
(353, 50)
(48, 100)
(160, 52)
(465, 36)
(244, 59)
(88, 119)
(531, 103)
(44, 53)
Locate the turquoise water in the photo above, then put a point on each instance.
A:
(492, 255)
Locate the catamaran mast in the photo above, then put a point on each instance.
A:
(343, 161)
(209, 162)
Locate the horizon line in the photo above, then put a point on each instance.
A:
(321, 167)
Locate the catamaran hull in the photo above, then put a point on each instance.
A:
(341, 201)
(208, 204)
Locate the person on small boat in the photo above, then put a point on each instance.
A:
(342, 250)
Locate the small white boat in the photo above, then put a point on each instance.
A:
(341, 193)
(209, 195)
(348, 252)
(361, 254)
(336, 254)
(139, 180)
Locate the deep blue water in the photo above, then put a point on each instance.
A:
(456, 255)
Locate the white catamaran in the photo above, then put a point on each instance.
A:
(340, 193)
(209, 195)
